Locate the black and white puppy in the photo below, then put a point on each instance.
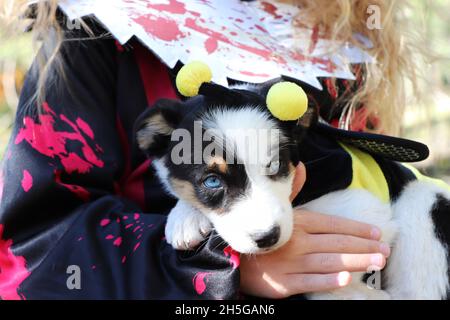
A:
(220, 186)
(234, 174)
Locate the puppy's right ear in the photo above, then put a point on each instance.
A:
(155, 126)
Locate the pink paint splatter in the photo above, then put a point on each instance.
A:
(43, 137)
(260, 28)
(118, 241)
(109, 237)
(85, 128)
(128, 226)
(270, 9)
(80, 238)
(211, 45)
(199, 281)
(174, 6)
(136, 216)
(136, 229)
(136, 246)
(234, 256)
(165, 29)
(104, 222)
(252, 74)
(124, 258)
(265, 53)
(27, 181)
(74, 162)
(13, 270)
(314, 39)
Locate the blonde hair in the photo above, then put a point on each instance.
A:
(383, 87)
(395, 48)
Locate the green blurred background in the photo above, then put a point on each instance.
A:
(428, 122)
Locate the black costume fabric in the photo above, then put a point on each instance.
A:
(75, 191)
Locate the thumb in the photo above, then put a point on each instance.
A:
(299, 180)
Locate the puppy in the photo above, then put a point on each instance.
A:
(234, 174)
(220, 186)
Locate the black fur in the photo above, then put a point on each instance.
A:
(441, 220)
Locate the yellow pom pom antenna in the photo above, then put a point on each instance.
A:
(287, 101)
(191, 76)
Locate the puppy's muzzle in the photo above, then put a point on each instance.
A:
(267, 239)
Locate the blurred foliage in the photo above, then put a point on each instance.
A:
(428, 122)
(16, 55)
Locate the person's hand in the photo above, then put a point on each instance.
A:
(322, 251)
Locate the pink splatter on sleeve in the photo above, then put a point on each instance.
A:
(12, 270)
(136, 246)
(199, 281)
(118, 241)
(85, 128)
(104, 222)
(44, 138)
(234, 257)
(27, 181)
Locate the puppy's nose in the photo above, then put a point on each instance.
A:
(267, 239)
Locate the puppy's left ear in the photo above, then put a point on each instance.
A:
(154, 127)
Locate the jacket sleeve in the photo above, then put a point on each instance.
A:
(64, 231)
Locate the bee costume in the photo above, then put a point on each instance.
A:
(77, 196)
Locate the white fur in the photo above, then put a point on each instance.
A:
(163, 174)
(186, 227)
(417, 268)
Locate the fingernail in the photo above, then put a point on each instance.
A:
(375, 233)
(385, 249)
(343, 278)
(376, 260)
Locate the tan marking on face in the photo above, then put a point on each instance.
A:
(219, 163)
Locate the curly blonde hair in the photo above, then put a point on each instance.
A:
(383, 87)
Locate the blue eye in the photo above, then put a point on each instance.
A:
(212, 182)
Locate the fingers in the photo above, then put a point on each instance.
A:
(333, 262)
(336, 243)
(312, 222)
(303, 283)
(299, 180)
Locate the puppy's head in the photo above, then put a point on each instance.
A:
(232, 161)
